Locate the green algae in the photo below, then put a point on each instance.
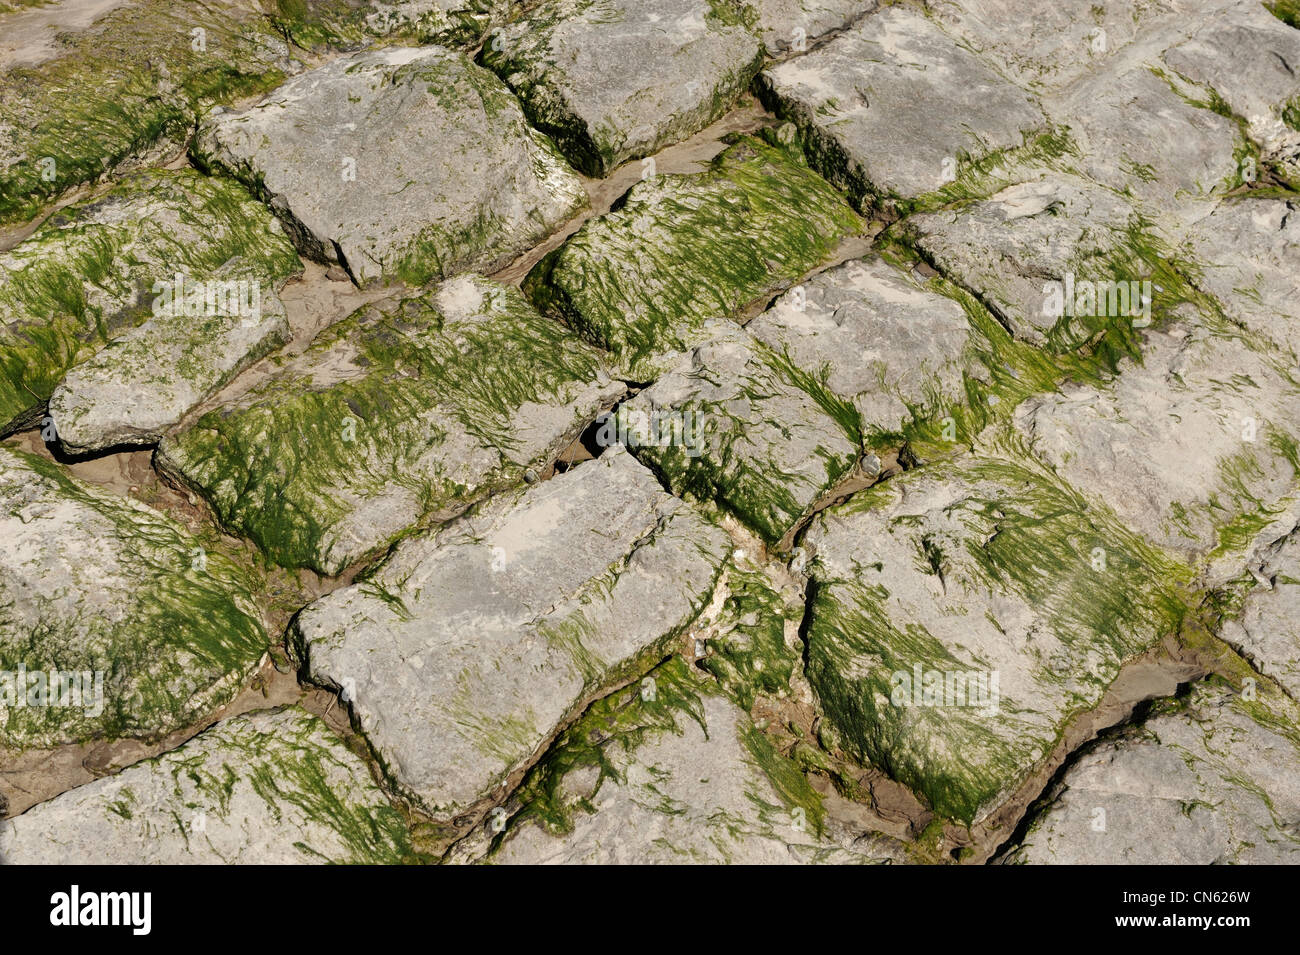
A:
(294, 769)
(87, 273)
(181, 646)
(1024, 534)
(640, 280)
(118, 93)
(749, 655)
(367, 409)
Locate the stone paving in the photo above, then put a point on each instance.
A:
(602, 431)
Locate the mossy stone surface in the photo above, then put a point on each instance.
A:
(87, 275)
(641, 280)
(96, 584)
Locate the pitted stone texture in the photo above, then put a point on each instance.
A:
(1008, 247)
(890, 106)
(893, 347)
(1248, 57)
(1189, 448)
(91, 273)
(465, 653)
(266, 789)
(1047, 45)
(959, 621)
(612, 80)
(100, 585)
(1267, 629)
(401, 413)
(1135, 134)
(409, 164)
(1214, 780)
(144, 382)
(1247, 254)
(692, 796)
(752, 435)
(790, 26)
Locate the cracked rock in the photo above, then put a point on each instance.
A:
(410, 164)
(857, 100)
(611, 80)
(400, 413)
(1209, 780)
(464, 653)
(157, 632)
(265, 789)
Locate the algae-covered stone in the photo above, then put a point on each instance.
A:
(641, 280)
(464, 653)
(410, 164)
(92, 272)
(400, 413)
(692, 788)
(145, 381)
(148, 632)
(1018, 249)
(1195, 447)
(789, 26)
(1213, 779)
(736, 423)
(890, 107)
(611, 80)
(961, 615)
(878, 337)
(1247, 254)
(1266, 630)
(125, 90)
(265, 789)
(320, 25)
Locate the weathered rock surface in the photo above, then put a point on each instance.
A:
(464, 653)
(961, 615)
(1247, 254)
(1209, 780)
(143, 382)
(320, 25)
(612, 80)
(735, 423)
(641, 280)
(410, 164)
(159, 632)
(266, 789)
(88, 275)
(400, 413)
(1246, 56)
(1266, 631)
(857, 100)
(1010, 247)
(879, 337)
(692, 791)
(790, 26)
(1139, 136)
(1048, 45)
(123, 93)
(1193, 448)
